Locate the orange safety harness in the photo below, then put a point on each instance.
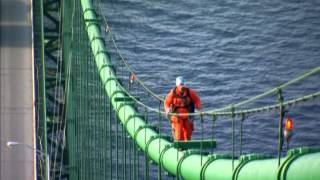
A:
(182, 100)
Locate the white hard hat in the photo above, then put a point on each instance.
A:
(179, 81)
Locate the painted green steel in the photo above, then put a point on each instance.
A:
(113, 90)
(219, 169)
(66, 8)
(194, 171)
(194, 144)
(258, 169)
(302, 160)
(264, 167)
(308, 167)
(160, 150)
(40, 78)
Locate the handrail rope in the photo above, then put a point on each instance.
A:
(274, 90)
(228, 107)
(252, 99)
(309, 73)
(272, 107)
(230, 113)
(131, 70)
(126, 63)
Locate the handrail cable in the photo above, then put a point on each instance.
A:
(213, 111)
(230, 112)
(274, 90)
(126, 63)
(252, 99)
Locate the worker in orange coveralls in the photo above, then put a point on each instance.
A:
(181, 100)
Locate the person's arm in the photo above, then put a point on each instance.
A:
(195, 98)
(168, 101)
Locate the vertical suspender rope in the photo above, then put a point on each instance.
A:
(81, 107)
(138, 161)
(280, 135)
(130, 157)
(87, 115)
(104, 131)
(110, 135)
(146, 173)
(78, 112)
(241, 131)
(134, 151)
(103, 119)
(92, 117)
(91, 124)
(159, 128)
(117, 145)
(233, 116)
(124, 150)
(129, 144)
(214, 118)
(202, 131)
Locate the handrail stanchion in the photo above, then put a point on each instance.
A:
(159, 128)
(280, 138)
(233, 116)
(241, 131)
(202, 131)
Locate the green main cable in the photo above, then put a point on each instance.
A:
(108, 77)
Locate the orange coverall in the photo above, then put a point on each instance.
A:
(181, 126)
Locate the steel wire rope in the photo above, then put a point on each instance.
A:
(105, 118)
(229, 113)
(66, 88)
(252, 99)
(228, 107)
(294, 101)
(274, 90)
(125, 62)
(87, 115)
(82, 101)
(62, 125)
(288, 103)
(56, 111)
(79, 105)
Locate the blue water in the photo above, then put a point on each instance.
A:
(228, 51)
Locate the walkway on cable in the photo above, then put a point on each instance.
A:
(126, 108)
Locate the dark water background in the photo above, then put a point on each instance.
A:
(228, 51)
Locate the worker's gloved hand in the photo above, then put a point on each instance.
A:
(168, 111)
(168, 114)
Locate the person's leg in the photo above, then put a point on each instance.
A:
(185, 129)
(189, 129)
(176, 128)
